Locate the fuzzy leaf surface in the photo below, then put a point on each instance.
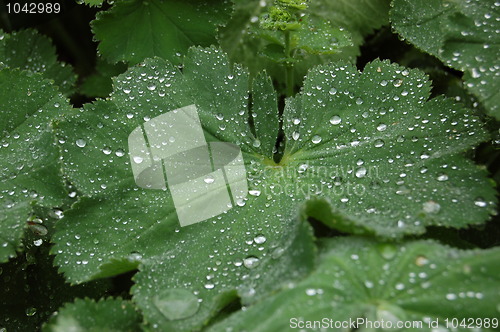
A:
(462, 34)
(248, 250)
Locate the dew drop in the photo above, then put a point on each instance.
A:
(138, 159)
(316, 139)
(387, 250)
(177, 303)
(30, 311)
(381, 127)
(442, 177)
(254, 192)
(277, 253)
(302, 168)
(480, 202)
(260, 239)
(379, 143)
(361, 172)
(81, 143)
(431, 207)
(421, 261)
(209, 179)
(251, 262)
(311, 292)
(400, 286)
(335, 120)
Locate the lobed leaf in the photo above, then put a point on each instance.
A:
(418, 284)
(246, 252)
(29, 157)
(29, 50)
(387, 158)
(160, 28)
(462, 34)
(87, 315)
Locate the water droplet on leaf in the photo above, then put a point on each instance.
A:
(251, 262)
(176, 303)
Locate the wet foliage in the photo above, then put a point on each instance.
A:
(371, 173)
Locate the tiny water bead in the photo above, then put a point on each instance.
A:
(302, 168)
(361, 172)
(260, 239)
(442, 177)
(176, 303)
(316, 139)
(387, 250)
(80, 143)
(138, 159)
(251, 262)
(335, 120)
(421, 261)
(379, 143)
(254, 192)
(120, 153)
(209, 179)
(480, 202)
(31, 311)
(431, 207)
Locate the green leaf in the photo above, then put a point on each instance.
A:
(87, 315)
(248, 250)
(241, 38)
(97, 238)
(388, 160)
(359, 17)
(28, 153)
(320, 36)
(412, 283)
(161, 28)
(29, 50)
(92, 3)
(462, 34)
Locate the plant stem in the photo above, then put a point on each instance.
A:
(288, 65)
